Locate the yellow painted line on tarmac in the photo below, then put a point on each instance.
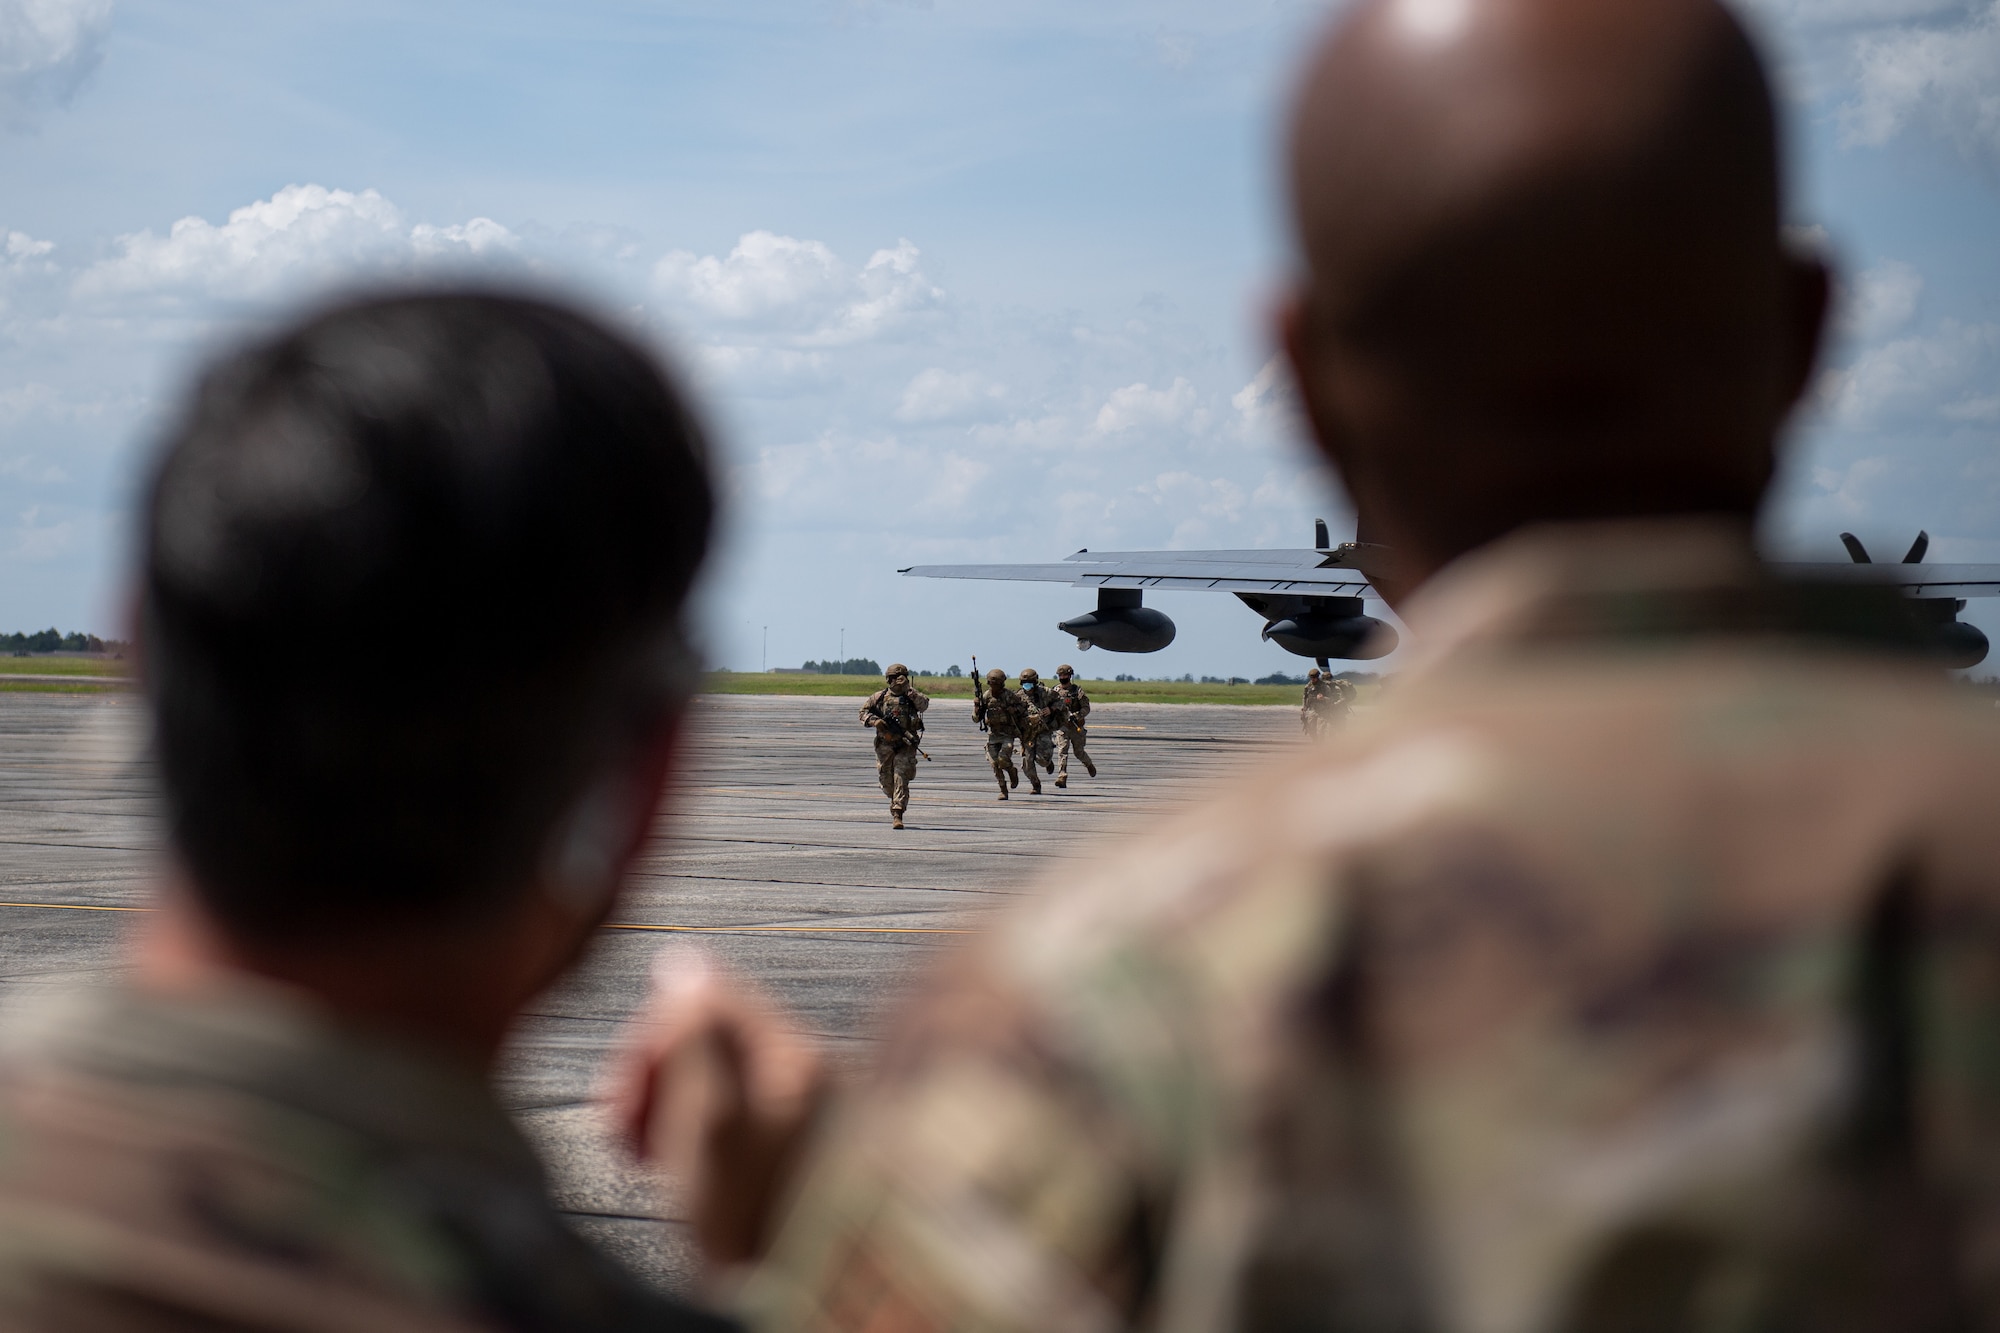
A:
(618, 925)
(78, 907)
(803, 930)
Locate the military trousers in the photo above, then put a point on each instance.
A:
(895, 765)
(1041, 750)
(1071, 741)
(1000, 754)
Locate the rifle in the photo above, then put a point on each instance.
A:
(895, 729)
(978, 693)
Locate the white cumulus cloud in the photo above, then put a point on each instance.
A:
(1141, 405)
(799, 290)
(47, 49)
(1881, 300)
(300, 236)
(1270, 400)
(1946, 79)
(1947, 373)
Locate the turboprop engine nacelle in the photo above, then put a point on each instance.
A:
(1321, 627)
(1351, 637)
(1953, 643)
(1120, 624)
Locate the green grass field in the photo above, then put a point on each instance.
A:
(1100, 691)
(60, 664)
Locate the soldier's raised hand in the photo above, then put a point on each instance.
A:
(715, 1088)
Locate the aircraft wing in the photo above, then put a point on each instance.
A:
(1303, 572)
(1916, 580)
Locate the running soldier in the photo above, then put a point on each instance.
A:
(896, 711)
(1038, 746)
(1312, 717)
(1003, 715)
(1327, 700)
(1072, 707)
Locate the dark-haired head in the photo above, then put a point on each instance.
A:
(412, 597)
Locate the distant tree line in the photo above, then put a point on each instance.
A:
(1275, 678)
(54, 641)
(1280, 678)
(853, 666)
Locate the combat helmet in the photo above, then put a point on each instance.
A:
(893, 670)
(1313, 674)
(1065, 670)
(1030, 676)
(997, 674)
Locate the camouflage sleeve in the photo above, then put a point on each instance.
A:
(979, 1186)
(870, 710)
(1061, 1133)
(920, 699)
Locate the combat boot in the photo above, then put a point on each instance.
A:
(1014, 775)
(895, 819)
(1034, 780)
(1090, 768)
(1062, 780)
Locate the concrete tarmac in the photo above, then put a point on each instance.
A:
(779, 859)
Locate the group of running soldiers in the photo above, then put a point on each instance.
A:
(1326, 702)
(1049, 723)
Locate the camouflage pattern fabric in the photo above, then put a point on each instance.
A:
(1005, 714)
(1071, 739)
(896, 758)
(1039, 743)
(1312, 707)
(232, 1162)
(895, 766)
(906, 710)
(1636, 964)
(1073, 707)
(1004, 711)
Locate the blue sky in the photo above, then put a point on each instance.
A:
(956, 281)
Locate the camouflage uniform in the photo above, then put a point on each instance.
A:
(1312, 718)
(896, 756)
(1327, 699)
(1004, 713)
(1072, 708)
(1038, 746)
(1633, 966)
(231, 1160)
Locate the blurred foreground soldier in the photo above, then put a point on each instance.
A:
(1038, 747)
(1632, 966)
(1073, 711)
(1003, 715)
(282, 1118)
(896, 711)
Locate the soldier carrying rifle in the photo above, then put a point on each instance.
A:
(1003, 714)
(896, 711)
(1072, 710)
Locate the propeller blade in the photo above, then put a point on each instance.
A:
(1917, 549)
(1855, 549)
(1321, 542)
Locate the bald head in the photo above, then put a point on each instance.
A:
(1544, 278)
